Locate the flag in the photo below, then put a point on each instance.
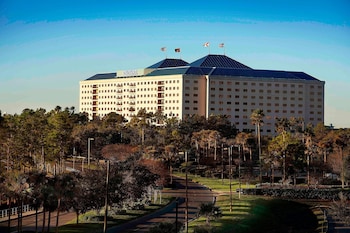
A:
(163, 49)
(221, 45)
(177, 50)
(206, 44)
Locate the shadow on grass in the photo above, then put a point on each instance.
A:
(277, 216)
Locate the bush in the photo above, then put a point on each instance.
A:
(319, 194)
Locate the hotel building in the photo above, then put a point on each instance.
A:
(214, 84)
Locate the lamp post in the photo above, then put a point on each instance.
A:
(106, 198)
(89, 150)
(230, 164)
(186, 210)
(239, 172)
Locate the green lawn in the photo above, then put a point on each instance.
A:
(96, 225)
(251, 214)
(218, 185)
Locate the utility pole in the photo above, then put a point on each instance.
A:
(106, 200)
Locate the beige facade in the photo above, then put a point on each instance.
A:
(214, 84)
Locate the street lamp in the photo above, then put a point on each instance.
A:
(89, 150)
(106, 198)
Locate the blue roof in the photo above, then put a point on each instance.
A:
(261, 73)
(213, 65)
(103, 76)
(169, 62)
(168, 71)
(218, 61)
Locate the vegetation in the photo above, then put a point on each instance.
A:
(44, 156)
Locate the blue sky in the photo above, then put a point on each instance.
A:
(47, 47)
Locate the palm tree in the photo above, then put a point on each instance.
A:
(257, 120)
(64, 187)
(341, 141)
(209, 211)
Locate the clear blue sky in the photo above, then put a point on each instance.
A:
(47, 47)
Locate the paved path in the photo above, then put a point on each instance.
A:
(197, 194)
(28, 222)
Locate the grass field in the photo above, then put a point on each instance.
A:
(251, 214)
(95, 224)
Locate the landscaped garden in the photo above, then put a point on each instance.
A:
(252, 213)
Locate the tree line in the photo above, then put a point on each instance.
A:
(144, 150)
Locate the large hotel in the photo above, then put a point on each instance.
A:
(214, 84)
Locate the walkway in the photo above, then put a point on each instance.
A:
(197, 194)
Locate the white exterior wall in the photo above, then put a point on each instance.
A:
(126, 96)
(238, 97)
(181, 95)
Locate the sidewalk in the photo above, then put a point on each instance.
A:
(15, 216)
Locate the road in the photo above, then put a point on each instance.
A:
(197, 194)
(28, 222)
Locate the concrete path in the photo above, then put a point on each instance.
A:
(197, 194)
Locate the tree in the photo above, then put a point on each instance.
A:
(209, 211)
(64, 187)
(341, 141)
(164, 227)
(341, 209)
(257, 120)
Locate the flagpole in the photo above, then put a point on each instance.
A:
(163, 49)
(207, 44)
(222, 45)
